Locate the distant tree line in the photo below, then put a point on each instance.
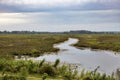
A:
(22, 32)
(93, 32)
(69, 32)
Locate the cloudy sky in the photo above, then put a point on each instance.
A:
(60, 15)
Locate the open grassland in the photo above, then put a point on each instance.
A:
(39, 44)
(32, 44)
(28, 70)
(99, 41)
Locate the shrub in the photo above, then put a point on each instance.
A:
(42, 62)
(47, 69)
(56, 63)
(23, 73)
(44, 76)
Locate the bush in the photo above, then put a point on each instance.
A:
(48, 69)
(56, 63)
(23, 73)
(44, 76)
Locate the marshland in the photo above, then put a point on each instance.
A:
(51, 56)
(59, 39)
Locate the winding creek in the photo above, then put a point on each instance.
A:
(86, 58)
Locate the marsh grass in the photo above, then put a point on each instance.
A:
(39, 44)
(99, 41)
(29, 44)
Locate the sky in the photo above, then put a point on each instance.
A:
(60, 15)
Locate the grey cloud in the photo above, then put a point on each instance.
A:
(60, 5)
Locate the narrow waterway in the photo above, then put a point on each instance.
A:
(86, 58)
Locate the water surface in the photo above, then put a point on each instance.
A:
(89, 59)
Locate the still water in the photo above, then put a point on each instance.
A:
(89, 59)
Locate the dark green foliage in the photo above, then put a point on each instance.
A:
(56, 63)
(48, 69)
(94, 75)
(23, 72)
(70, 75)
(45, 75)
(41, 63)
(62, 70)
(21, 69)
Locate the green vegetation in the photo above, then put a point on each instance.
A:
(29, 44)
(39, 44)
(29, 70)
(99, 41)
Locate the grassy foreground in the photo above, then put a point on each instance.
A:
(99, 41)
(29, 70)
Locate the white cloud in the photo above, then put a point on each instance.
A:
(10, 18)
(97, 20)
(104, 12)
(54, 28)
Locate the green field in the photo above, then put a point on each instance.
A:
(32, 45)
(99, 41)
(39, 44)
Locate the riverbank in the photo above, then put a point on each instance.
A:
(88, 58)
(39, 44)
(29, 44)
(99, 41)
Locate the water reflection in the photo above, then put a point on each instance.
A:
(89, 59)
